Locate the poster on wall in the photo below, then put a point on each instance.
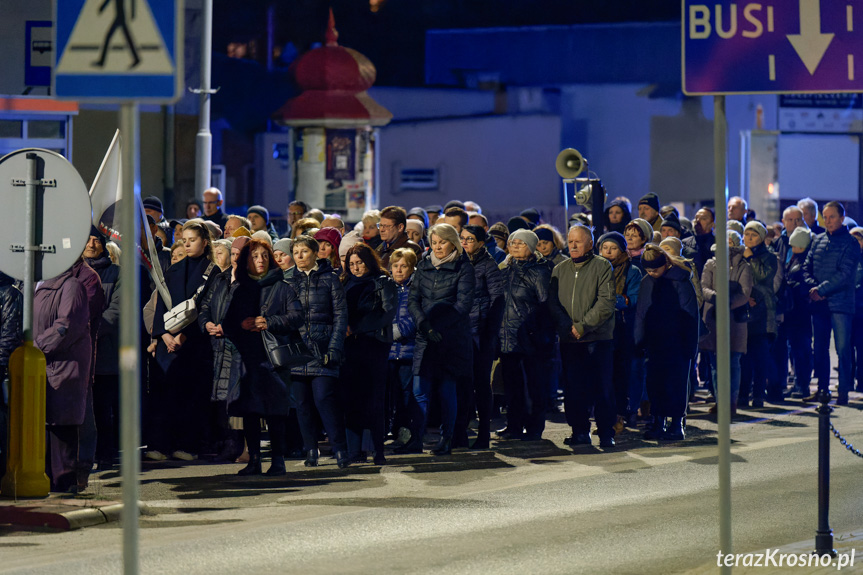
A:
(824, 113)
(341, 154)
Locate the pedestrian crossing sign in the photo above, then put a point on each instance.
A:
(118, 50)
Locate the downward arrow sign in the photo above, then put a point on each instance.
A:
(810, 44)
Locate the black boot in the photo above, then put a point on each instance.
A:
(254, 466)
(676, 430)
(444, 446)
(412, 446)
(657, 430)
(342, 459)
(277, 467)
(311, 458)
(482, 440)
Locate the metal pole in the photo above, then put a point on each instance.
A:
(30, 243)
(723, 318)
(130, 347)
(824, 535)
(204, 140)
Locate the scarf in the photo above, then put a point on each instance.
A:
(439, 262)
(583, 258)
(621, 270)
(636, 253)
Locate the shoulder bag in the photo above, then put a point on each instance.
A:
(184, 313)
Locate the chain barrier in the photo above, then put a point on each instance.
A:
(845, 442)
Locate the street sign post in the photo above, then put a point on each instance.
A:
(118, 50)
(772, 47)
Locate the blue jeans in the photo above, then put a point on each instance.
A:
(734, 375)
(841, 324)
(446, 388)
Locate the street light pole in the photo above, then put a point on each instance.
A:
(204, 139)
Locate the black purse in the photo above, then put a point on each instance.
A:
(285, 353)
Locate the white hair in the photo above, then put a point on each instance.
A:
(588, 231)
(808, 205)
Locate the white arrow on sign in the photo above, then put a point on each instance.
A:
(810, 43)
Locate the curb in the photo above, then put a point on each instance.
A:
(60, 514)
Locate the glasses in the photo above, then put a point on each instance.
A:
(211, 203)
(516, 243)
(468, 240)
(385, 227)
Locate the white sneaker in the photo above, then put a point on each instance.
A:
(155, 455)
(185, 456)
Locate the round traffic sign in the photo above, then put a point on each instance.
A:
(63, 213)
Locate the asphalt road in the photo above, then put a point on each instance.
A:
(536, 507)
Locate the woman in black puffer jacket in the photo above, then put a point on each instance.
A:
(325, 323)
(372, 302)
(485, 316)
(260, 299)
(443, 291)
(525, 333)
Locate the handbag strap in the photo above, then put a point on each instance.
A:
(206, 281)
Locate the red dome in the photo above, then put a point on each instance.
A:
(334, 80)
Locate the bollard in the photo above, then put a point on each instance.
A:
(25, 465)
(824, 535)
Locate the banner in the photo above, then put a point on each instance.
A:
(106, 195)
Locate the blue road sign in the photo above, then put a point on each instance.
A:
(118, 50)
(772, 46)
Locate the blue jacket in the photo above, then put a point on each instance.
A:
(487, 309)
(831, 266)
(404, 324)
(625, 304)
(325, 317)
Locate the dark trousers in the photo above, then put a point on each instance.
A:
(364, 377)
(622, 373)
(322, 392)
(276, 428)
(62, 456)
(754, 367)
(526, 393)
(778, 380)
(106, 409)
(179, 408)
(841, 325)
(668, 384)
(475, 393)
(799, 329)
(400, 382)
(857, 339)
(589, 385)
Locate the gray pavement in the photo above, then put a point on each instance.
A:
(522, 508)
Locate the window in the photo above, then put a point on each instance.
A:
(419, 179)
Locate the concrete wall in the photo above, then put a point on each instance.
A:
(504, 163)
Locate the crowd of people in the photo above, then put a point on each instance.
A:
(353, 336)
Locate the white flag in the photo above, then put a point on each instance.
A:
(106, 194)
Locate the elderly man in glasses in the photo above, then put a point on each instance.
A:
(393, 235)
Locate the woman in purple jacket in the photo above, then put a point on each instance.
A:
(61, 330)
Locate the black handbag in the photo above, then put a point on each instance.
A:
(285, 353)
(741, 314)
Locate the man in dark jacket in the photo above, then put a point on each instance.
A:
(830, 272)
(393, 236)
(106, 382)
(583, 310)
(213, 207)
(704, 239)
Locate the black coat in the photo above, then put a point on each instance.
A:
(183, 280)
(699, 249)
(11, 308)
(108, 336)
(666, 316)
(226, 359)
(487, 309)
(526, 326)
(452, 283)
(261, 390)
(372, 305)
(325, 317)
